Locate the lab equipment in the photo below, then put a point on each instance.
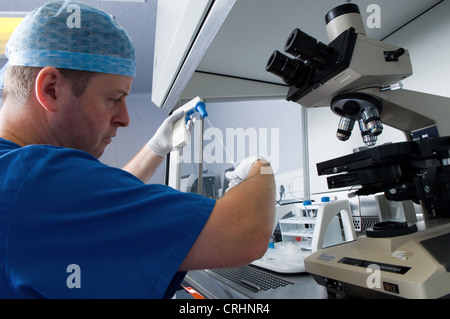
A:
(181, 135)
(358, 78)
(305, 228)
(54, 35)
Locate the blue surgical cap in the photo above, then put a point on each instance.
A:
(71, 35)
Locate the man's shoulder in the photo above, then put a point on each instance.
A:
(46, 158)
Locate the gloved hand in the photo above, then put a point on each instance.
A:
(241, 172)
(161, 142)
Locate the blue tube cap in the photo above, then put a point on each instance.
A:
(200, 107)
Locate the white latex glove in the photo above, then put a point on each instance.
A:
(241, 172)
(161, 142)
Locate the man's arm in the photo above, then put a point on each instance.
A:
(144, 164)
(240, 225)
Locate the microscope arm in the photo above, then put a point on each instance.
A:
(409, 111)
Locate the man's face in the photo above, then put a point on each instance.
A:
(89, 122)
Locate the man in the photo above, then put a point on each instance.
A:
(72, 227)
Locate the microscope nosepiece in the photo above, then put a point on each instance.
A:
(345, 129)
(368, 139)
(372, 121)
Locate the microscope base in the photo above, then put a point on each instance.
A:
(415, 266)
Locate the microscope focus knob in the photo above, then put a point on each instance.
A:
(390, 229)
(392, 56)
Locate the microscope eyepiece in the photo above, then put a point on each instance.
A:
(307, 49)
(293, 71)
(301, 45)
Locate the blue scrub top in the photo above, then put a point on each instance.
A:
(62, 207)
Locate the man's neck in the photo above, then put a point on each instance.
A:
(5, 134)
(14, 126)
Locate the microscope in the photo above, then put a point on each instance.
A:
(358, 78)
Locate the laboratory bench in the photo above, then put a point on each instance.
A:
(251, 282)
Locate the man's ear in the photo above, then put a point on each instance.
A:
(49, 88)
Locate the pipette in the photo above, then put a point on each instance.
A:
(180, 134)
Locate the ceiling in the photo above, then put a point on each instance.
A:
(252, 31)
(255, 28)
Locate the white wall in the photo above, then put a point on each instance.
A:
(428, 41)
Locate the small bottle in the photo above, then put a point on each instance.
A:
(308, 208)
(272, 242)
(325, 199)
